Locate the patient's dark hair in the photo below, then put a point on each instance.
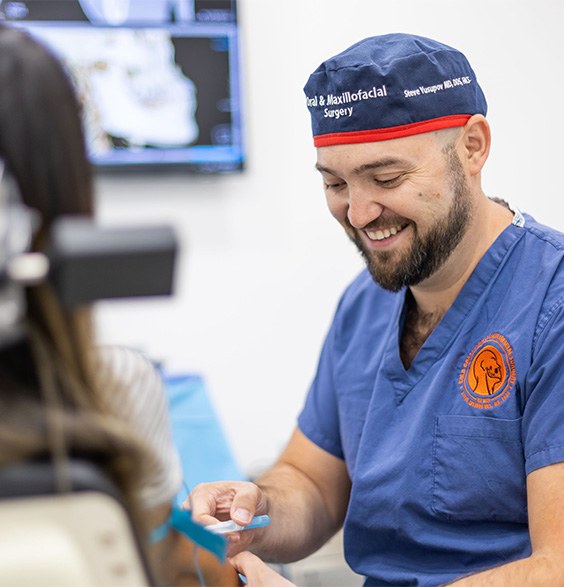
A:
(42, 140)
(50, 402)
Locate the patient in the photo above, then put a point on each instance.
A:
(58, 395)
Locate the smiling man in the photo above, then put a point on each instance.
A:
(351, 175)
(434, 427)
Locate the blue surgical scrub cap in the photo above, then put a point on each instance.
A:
(391, 86)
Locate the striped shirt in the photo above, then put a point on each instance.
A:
(135, 392)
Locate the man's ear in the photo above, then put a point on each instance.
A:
(476, 143)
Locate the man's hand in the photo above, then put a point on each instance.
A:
(228, 500)
(305, 493)
(257, 573)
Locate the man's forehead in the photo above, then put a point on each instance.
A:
(361, 157)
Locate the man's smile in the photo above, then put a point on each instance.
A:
(383, 234)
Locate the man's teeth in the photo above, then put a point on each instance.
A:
(380, 235)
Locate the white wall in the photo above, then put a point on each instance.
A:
(263, 263)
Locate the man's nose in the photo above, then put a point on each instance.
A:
(363, 207)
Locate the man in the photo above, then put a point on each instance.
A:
(434, 427)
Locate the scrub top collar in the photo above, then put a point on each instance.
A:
(440, 339)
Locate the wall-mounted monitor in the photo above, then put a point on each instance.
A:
(159, 79)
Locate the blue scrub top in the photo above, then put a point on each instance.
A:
(438, 454)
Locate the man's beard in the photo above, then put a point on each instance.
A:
(429, 251)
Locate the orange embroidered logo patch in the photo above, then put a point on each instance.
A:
(488, 374)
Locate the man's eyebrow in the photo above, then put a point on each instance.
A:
(379, 164)
(323, 169)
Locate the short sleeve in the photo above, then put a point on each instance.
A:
(135, 392)
(543, 417)
(319, 419)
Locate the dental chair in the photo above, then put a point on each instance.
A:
(78, 538)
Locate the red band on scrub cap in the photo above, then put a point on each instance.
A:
(393, 132)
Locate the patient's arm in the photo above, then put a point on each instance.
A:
(173, 562)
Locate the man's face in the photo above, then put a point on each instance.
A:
(404, 203)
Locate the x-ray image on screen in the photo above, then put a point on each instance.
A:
(133, 92)
(158, 79)
(118, 12)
